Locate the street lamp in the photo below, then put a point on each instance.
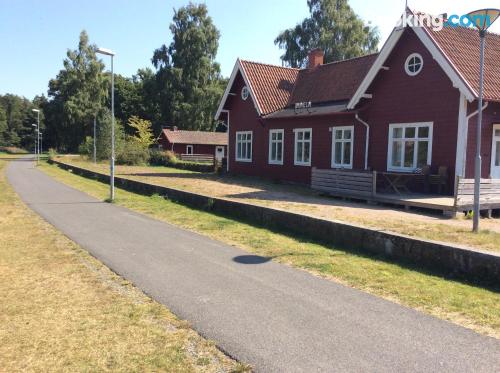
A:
(36, 139)
(38, 131)
(107, 52)
(41, 141)
(482, 19)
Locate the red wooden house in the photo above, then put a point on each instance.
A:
(194, 142)
(413, 106)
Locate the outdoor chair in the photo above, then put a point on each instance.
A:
(440, 179)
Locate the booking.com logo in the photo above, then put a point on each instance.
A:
(437, 23)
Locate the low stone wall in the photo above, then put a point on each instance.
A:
(445, 258)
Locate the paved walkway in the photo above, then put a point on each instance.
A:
(271, 316)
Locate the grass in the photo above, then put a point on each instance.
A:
(302, 200)
(63, 310)
(465, 304)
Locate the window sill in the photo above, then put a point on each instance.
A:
(275, 163)
(244, 160)
(302, 164)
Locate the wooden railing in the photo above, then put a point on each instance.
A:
(490, 193)
(344, 182)
(199, 158)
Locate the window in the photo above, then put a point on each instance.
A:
(245, 93)
(410, 146)
(414, 64)
(342, 146)
(244, 146)
(303, 137)
(276, 146)
(189, 149)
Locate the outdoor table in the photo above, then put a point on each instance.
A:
(398, 181)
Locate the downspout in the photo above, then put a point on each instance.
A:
(467, 132)
(367, 138)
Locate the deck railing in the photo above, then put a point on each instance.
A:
(490, 193)
(344, 182)
(199, 158)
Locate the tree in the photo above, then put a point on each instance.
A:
(3, 128)
(332, 26)
(189, 79)
(143, 131)
(77, 95)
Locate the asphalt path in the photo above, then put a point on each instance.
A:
(276, 318)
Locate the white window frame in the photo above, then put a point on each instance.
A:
(415, 155)
(246, 141)
(189, 147)
(341, 143)
(407, 62)
(271, 141)
(496, 126)
(297, 131)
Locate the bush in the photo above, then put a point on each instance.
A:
(87, 147)
(169, 159)
(12, 150)
(52, 153)
(132, 154)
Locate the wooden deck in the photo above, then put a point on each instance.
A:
(363, 186)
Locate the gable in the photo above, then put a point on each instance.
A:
(392, 42)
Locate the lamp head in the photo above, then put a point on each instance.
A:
(483, 18)
(105, 51)
(35, 110)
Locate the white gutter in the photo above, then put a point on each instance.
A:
(367, 138)
(467, 133)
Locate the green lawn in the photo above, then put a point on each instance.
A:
(62, 310)
(303, 200)
(464, 304)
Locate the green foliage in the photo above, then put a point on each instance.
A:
(332, 26)
(169, 159)
(190, 81)
(132, 153)
(77, 95)
(143, 132)
(16, 119)
(52, 153)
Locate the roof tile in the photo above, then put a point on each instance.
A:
(195, 137)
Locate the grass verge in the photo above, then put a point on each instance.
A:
(304, 201)
(63, 310)
(471, 306)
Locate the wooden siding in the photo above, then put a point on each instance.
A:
(490, 193)
(344, 182)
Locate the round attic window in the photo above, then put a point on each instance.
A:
(414, 64)
(245, 93)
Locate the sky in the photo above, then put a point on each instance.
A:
(35, 34)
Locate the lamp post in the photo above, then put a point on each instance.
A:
(482, 20)
(36, 139)
(38, 131)
(95, 149)
(107, 52)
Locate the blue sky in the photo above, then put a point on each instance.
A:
(35, 34)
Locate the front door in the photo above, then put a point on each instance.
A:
(219, 153)
(495, 153)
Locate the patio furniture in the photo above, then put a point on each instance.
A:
(397, 181)
(440, 179)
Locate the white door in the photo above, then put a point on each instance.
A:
(495, 153)
(219, 153)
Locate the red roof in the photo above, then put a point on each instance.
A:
(271, 85)
(195, 137)
(336, 81)
(461, 46)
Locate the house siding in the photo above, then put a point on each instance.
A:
(400, 98)
(244, 117)
(491, 116)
